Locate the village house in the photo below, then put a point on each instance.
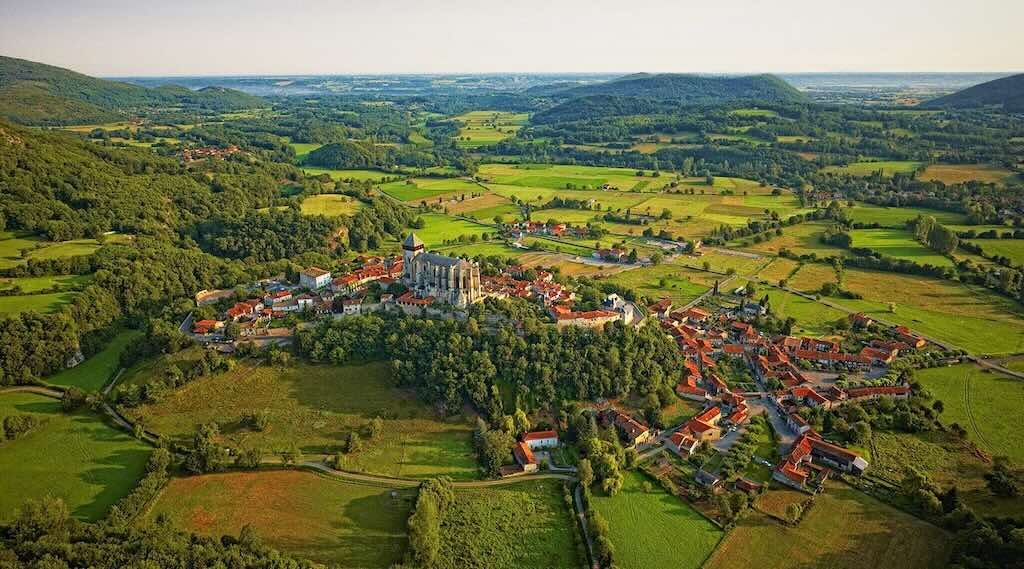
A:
(524, 457)
(564, 316)
(540, 439)
(633, 432)
(314, 278)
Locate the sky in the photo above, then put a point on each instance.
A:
(263, 37)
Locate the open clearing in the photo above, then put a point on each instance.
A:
(31, 285)
(355, 175)
(330, 205)
(38, 302)
(986, 404)
(812, 318)
(959, 173)
(94, 372)
(426, 189)
(483, 128)
(299, 512)
(661, 281)
(898, 216)
(844, 529)
(527, 524)
(888, 168)
(76, 457)
(439, 228)
(655, 530)
(898, 244)
(15, 248)
(315, 407)
(801, 239)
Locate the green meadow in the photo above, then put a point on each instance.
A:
(356, 175)
(898, 244)
(417, 189)
(1012, 249)
(898, 216)
(93, 373)
(331, 205)
(888, 168)
(439, 228)
(76, 457)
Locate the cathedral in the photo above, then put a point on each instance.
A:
(447, 279)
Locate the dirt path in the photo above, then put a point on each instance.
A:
(38, 390)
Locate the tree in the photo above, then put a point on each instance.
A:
(232, 330)
(793, 512)
(206, 455)
(657, 258)
(353, 443)
(647, 487)
(249, 458)
(291, 456)
(73, 399)
(47, 516)
(585, 472)
(375, 428)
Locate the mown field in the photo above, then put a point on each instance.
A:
(327, 520)
(16, 248)
(76, 457)
(983, 402)
(959, 173)
(302, 149)
(898, 244)
(898, 216)
(38, 302)
(527, 524)
(357, 175)
(665, 280)
(330, 205)
(813, 318)
(1012, 249)
(888, 168)
(316, 407)
(439, 228)
(93, 373)
(810, 276)
(29, 285)
(655, 530)
(844, 529)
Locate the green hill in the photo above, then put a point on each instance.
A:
(693, 88)
(1007, 93)
(37, 94)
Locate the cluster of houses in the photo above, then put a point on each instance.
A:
(524, 448)
(520, 229)
(204, 152)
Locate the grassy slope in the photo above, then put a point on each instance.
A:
(844, 529)
(302, 513)
(93, 373)
(75, 457)
(656, 530)
(899, 244)
(316, 406)
(330, 205)
(440, 227)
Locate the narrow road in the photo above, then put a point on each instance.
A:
(37, 389)
(412, 482)
(577, 499)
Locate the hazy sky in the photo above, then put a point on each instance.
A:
(197, 37)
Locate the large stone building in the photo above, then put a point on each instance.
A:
(446, 279)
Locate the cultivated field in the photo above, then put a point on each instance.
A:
(779, 269)
(316, 407)
(429, 189)
(984, 403)
(811, 276)
(330, 205)
(666, 280)
(844, 529)
(655, 530)
(527, 524)
(76, 457)
(483, 128)
(302, 149)
(356, 175)
(898, 216)
(302, 513)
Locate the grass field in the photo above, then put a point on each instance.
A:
(754, 113)
(898, 244)
(985, 403)
(556, 176)
(959, 173)
(357, 175)
(1012, 249)
(299, 512)
(483, 128)
(811, 276)
(15, 248)
(969, 317)
(330, 205)
(812, 317)
(94, 372)
(439, 227)
(487, 201)
(888, 168)
(490, 248)
(661, 281)
(75, 457)
(315, 407)
(32, 284)
(898, 216)
(655, 530)
(37, 302)
(802, 239)
(780, 268)
(844, 529)
(527, 524)
(947, 461)
(419, 189)
(302, 149)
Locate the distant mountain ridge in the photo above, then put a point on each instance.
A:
(38, 94)
(693, 88)
(1007, 93)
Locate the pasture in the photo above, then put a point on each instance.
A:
(969, 317)
(959, 173)
(887, 168)
(351, 175)
(484, 128)
(93, 373)
(801, 239)
(426, 189)
(983, 402)
(655, 530)
(31, 285)
(15, 248)
(331, 205)
(527, 524)
(439, 228)
(305, 514)
(37, 302)
(316, 407)
(779, 269)
(898, 216)
(811, 276)
(302, 149)
(1012, 249)
(845, 529)
(559, 176)
(947, 461)
(812, 318)
(76, 457)
(660, 281)
(898, 244)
